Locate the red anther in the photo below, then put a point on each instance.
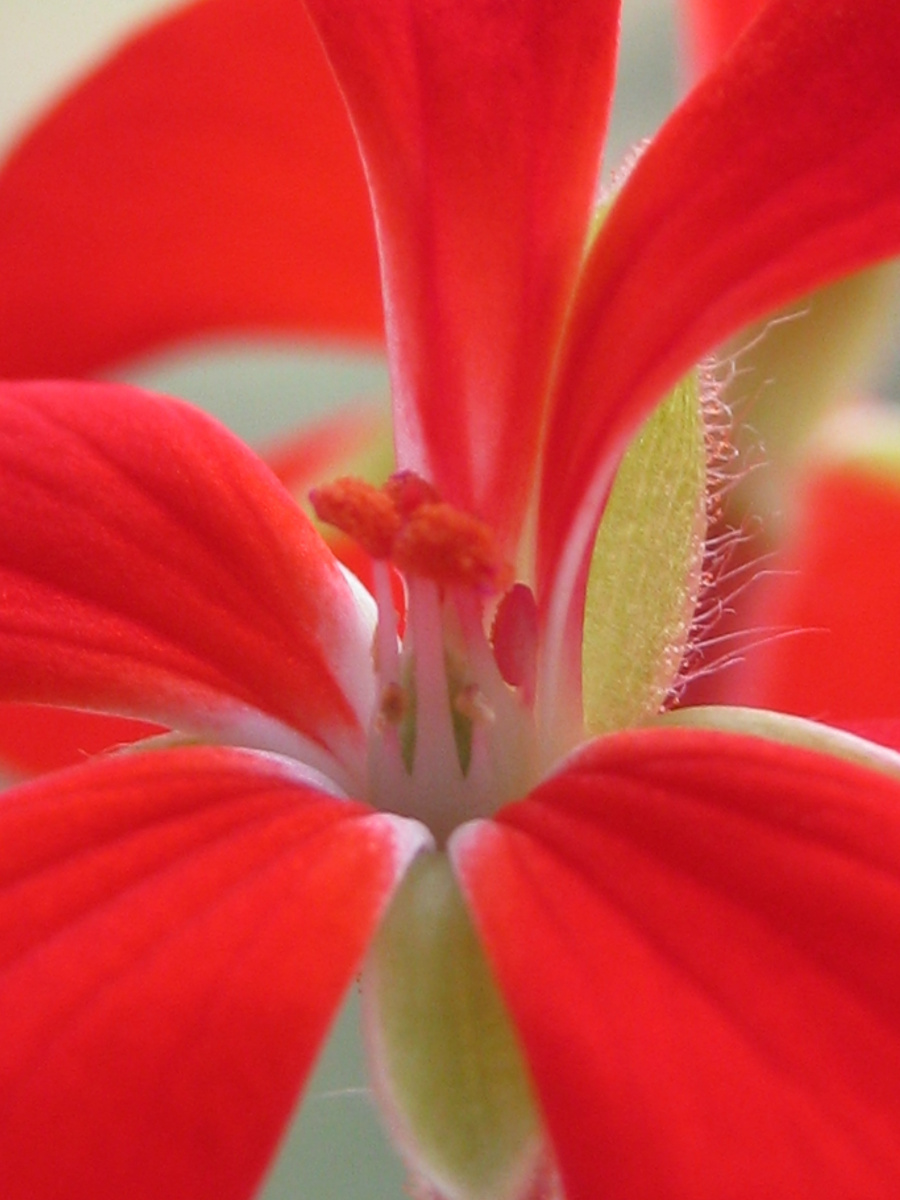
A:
(515, 638)
(409, 491)
(365, 513)
(450, 547)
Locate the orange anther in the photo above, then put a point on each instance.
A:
(406, 522)
(409, 491)
(363, 512)
(450, 547)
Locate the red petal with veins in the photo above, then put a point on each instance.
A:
(176, 932)
(205, 178)
(712, 27)
(836, 587)
(779, 173)
(355, 441)
(151, 565)
(34, 738)
(481, 127)
(697, 938)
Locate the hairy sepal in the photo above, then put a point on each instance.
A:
(646, 567)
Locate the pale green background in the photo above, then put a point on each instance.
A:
(335, 1149)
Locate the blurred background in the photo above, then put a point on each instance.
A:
(335, 1148)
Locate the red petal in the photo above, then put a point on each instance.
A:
(34, 738)
(836, 588)
(713, 25)
(354, 442)
(780, 172)
(205, 178)
(697, 937)
(150, 565)
(176, 932)
(481, 126)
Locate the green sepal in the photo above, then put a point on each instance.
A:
(446, 1063)
(646, 567)
(788, 730)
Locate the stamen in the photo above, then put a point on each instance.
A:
(365, 513)
(408, 491)
(386, 648)
(449, 547)
(407, 522)
(435, 754)
(444, 708)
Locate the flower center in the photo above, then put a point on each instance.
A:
(452, 736)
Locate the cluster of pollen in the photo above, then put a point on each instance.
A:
(452, 731)
(405, 522)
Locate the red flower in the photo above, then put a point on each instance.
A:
(693, 929)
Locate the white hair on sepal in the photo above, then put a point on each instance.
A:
(731, 567)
